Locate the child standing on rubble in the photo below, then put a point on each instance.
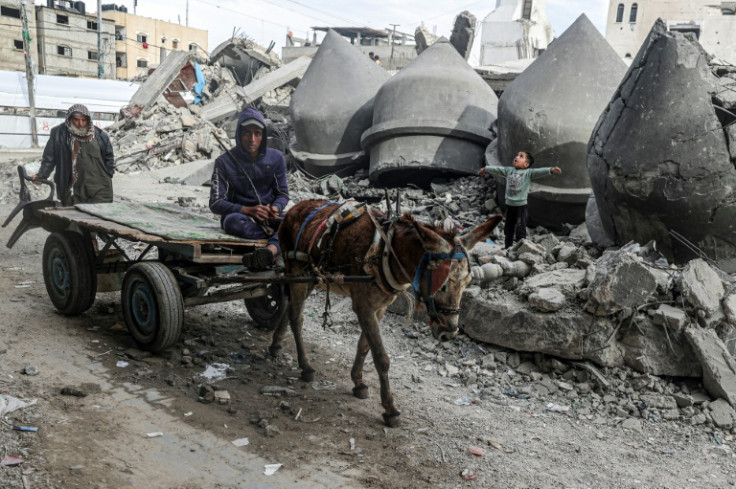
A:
(518, 180)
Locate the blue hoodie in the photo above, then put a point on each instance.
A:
(234, 171)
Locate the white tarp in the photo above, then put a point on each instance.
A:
(55, 93)
(61, 92)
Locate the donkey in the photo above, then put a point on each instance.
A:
(405, 254)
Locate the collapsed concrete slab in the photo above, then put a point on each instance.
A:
(550, 110)
(502, 319)
(156, 83)
(430, 122)
(423, 39)
(230, 103)
(463, 33)
(656, 350)
(659, 158)
(333, 106)
(719, 367)
(242, 58)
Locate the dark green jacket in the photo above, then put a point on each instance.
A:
(57, 155)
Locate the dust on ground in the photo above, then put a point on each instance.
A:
(470, 416)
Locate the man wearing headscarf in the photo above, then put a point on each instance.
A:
(83, 159)
(249, 188)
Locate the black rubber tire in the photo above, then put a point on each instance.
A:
(268, 311)
(69, 272)
(153, 307)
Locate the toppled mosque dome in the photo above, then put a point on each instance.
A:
(661, 157)
(550, 110)
(431, 119)
(332, 106)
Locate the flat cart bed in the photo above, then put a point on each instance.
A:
(191, 236)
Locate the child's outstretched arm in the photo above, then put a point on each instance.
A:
(556, 170)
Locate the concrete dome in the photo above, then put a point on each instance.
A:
(550, 110)
(333, 106)
(430, 119)
(659, 158)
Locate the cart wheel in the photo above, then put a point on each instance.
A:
(152, 306)
(268, 311)
(69, 273)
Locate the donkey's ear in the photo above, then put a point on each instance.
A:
(480, 232)
(431, 241)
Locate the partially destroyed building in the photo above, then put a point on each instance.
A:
(395, 49)
(712, 24)
(516, 29)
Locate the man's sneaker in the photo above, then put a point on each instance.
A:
(259, 259)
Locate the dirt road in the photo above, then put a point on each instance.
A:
(453, 396)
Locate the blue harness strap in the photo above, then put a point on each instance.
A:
(309, 218)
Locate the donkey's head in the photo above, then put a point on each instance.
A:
(444, 272)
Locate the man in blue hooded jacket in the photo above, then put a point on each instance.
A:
(249, 188)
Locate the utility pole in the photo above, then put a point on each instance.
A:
(100, 66)
(391, 59)
(29, 73)
(187, 13)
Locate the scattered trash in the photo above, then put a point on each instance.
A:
(270, 469)
(477, 451)
(76, 467)
(352, 443)
(463, 401)
(512, 392)
(8, 404)
(117, 327)
(187, 414)
(556, 408)
(30, 370)
(154, 434)
(222, 397)
(241, 442)
(11, 460)
(122, 364)
(216, 371)
(324, 385)
(24, 428)
(469, 474)
(275, 390)
(299, 413)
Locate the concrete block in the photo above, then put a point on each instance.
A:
(719, 368)
(547, 299)
(701, 286)
(621, 281)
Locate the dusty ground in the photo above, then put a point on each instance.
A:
(322, 435)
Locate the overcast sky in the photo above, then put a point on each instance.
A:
(266, 20)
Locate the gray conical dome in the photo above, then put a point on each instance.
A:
(432, 118)
(550, 110)
(659, 158)
(333, 105)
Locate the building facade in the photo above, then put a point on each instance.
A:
(12, 55)
(516, 29)
(142, 42)
(67, 41)
(713, 23)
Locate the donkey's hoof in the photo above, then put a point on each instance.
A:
(392, 420)
(308, 375)
(361, 392)
(275, 351)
